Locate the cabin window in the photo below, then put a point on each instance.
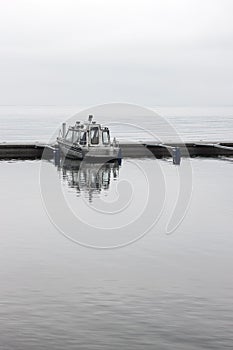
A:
(83, 138)
(69, 136)
(95, 136)
(105, 137)
(76, 136)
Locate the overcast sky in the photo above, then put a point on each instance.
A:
(85, 52)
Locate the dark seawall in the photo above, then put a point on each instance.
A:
(132, 150)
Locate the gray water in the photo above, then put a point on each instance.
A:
(38, 123)
(162, 291)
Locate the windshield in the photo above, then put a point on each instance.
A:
(69, 136)
(83, 138)
(76, 136)
(95, 135)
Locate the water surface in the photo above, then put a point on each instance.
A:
(162, 292)
(38, 123)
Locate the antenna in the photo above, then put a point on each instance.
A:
(90, 117)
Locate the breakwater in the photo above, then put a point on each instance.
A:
(132, 150)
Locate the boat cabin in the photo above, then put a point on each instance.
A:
(88, 134)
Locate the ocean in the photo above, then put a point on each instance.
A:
(38, 123)
(87, 260)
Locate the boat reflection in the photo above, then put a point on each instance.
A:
(88, 178)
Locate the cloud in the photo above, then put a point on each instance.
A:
(147, 52)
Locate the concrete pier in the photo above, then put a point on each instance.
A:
(189, 149)
(132, 150)
(21, 151)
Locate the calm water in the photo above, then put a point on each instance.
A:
(194, 124)
(162, 291)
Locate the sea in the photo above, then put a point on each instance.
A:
(136, 255)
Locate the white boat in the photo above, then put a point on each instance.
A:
(88, 140)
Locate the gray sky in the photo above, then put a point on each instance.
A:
(85, 52)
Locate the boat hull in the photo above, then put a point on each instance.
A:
(99, 153)
(70, 151)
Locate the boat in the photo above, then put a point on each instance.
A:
(88, 140)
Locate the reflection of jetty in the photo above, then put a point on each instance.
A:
(134, 150)
(89, 178)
